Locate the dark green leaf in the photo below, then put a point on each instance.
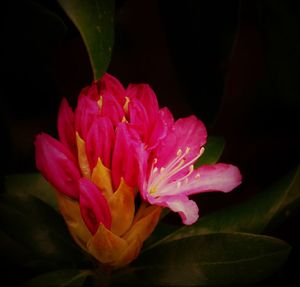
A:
(94, 20)
(33, 226)
(162, 230)
(211, 259)
(253, 216)
(60, 278)
(20, 254)
(31, 184)
(213, 151)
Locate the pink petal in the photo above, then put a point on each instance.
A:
(86, 112)
(145, 115)
(93, 206)
(111, 86)
(187, 209)
(100, 142)
(146, 96)
(92, 91)
(150, 130)
(139, 119)
(57, 165)
(112, 109)
(66, 126)
(127, 154)
(167, 117)
(186, 133)
(190, 132)
(217, 177)
(157, 134)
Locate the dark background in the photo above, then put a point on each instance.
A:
(235, 64)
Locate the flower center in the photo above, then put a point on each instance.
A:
(174, 174)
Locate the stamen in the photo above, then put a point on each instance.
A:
(165, 175)
(176, 160)
(176, 169)
(191, 169)
(197, 176)
(191, 161)
(154, 170)
(161, 181)
(202, 149)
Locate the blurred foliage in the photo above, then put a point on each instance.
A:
(211, 252)
(94, 20)
(219, 259)
(236, 63)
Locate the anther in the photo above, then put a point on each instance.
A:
(187, 150)
(179, 152)
(201, 151)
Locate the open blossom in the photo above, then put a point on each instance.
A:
(116, 145)
(170, 177)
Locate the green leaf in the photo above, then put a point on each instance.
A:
(94, 20)
(263, 211)
(210, 259)
(31, 184)
(213, 151)
(30, 225)
(60, 278)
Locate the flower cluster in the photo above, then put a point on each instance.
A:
(117, 144)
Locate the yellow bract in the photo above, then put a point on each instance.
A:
(71, 213)
(105, 245)
(101, 176)
(121, 244)
(82, 157)
(122, 208)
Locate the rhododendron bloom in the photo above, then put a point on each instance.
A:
(169, 176)
(117, 145)
(94, 167)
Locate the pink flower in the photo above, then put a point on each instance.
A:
(95, 167)
(118, 141)
(169, 176)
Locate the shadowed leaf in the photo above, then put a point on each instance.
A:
(211, 259)
(94, 20)
(263, 211)
(31, 184)
(60, 278)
